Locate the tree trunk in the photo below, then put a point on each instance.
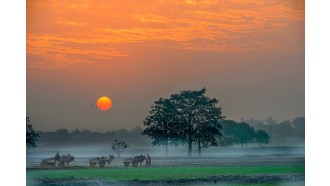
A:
(242, 145)
(190, 137)
(199, 147)
(166, 147)
(190, 144)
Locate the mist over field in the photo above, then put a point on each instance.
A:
(287, 139)
(104, 150)
(176, 156)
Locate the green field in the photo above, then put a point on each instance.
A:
(164, 173)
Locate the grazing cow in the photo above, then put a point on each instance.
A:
(102, 161)
(135, 161)
(106, 160)
(138, 159)
(65, 159)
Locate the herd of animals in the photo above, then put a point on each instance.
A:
(103, 161)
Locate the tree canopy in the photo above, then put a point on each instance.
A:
(161, 122)
(187, 117)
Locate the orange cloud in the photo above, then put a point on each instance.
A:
(67, 32)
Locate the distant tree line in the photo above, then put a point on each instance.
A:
(232, 133)
(241, 133)
(283, 134)
(81, 137)
(289, 133)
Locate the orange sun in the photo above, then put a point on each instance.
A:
(104, 103)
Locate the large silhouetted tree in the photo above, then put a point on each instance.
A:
(199, 118)
(31, 135)
(206, 135)
(189, 117)
(161, 124)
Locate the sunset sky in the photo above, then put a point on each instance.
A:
(249, 54)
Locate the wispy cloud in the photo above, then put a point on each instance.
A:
(65, 32)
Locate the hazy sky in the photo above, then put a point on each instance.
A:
(249, 54)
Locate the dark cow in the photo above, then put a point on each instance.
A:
(65, 160)
(135, 161)
(138, 159)
(102, 161)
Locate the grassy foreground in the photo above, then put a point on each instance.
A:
(164, 173)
